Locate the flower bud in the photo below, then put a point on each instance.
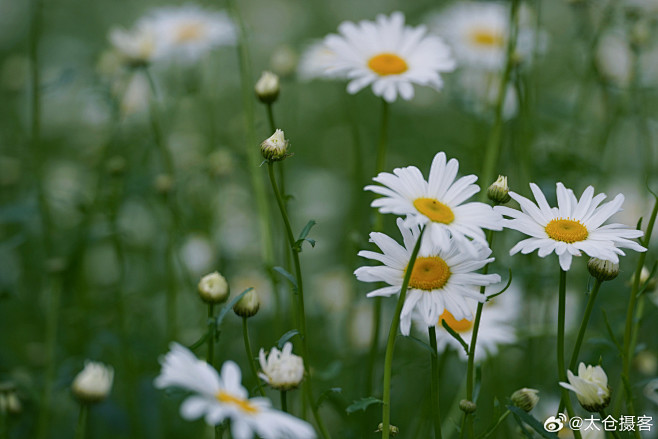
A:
(93, 384)
(282, 370)
(498, 192)
(525, 399)
(267, 87)
(644, 278)
(213, 288)
(391, 428)
(590, 386)
(275, 147)
(249, 304)
(602, 270)
(467, 406)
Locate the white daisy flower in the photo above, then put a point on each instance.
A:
(497, 325)
(136, 46)
(218, 397)
(281, 369)
(188, 32)
(442, 277)
(316, 62)
(574, 226)
(590, 386)
(478, 33)
(438, 202)
(387, 55)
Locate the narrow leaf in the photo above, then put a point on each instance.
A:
(285, 337)
(509, 282)
(229, 306)
(455, 335)
(531, 421)
(363, 404)
(199, 342)
(282, 271)
(307, 228)
(422, 344)
(327, 393)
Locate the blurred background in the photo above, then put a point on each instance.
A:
(122, 234)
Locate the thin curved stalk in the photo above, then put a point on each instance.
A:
(436, 412)
(250, 355)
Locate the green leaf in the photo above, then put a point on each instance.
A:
(362, 404)
(229, 306)
(422, 344)
(305, 231)
(327, 393)
(199, 342)
(285, 337)
(282, 271)
(455, 335)
(509, 282)
(520, 415)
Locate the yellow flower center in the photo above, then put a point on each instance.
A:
(242, 404)
(188, 32)
(487, 37)
(387, 64)
(435, 210)
(429, 273)
(456, 325)
(566, 230)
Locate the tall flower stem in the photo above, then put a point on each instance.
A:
(212, 330)
(282, 180)
(254, 159)
(494, 143)
(436, 413)
(250, 355)
(378, 225)
(561, 371)
(81, 429)
(390, 344)
(284, 401)
(301, 317)
(627, 353)
(470, 368)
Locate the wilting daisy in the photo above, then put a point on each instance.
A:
(186, 33)
(496, 327)
(217, 397)
(478, 33)
(443, 276)
(385, 54)
(575, 225)
(438, 202)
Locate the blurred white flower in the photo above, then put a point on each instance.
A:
(217, 397)
(188, 32)
(481, 88)
(443, 276)
(614, 58)
(282, 370)
(135, 95)
(197, 254)
(590, 386)
(136, 46)
(497, 326)
(93, 383)
(283, 60)
(317, 61)
(387, 55)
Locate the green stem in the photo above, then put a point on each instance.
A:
(81, 429)
(212, 330)
(250, 355)
(470, 368)
(498, 422)
(390, 344)
(561, 371)
(284, 401)
(436, 412)
(492, 152)
(378, 226)
(301, 316)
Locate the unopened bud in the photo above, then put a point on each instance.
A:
(602, 270)
(498, 192)
(93, 383)
(213, 288)
(249, 304)
(391, 428)
(267, 88)
(525, 399)
(645, 280)
(467, 406)
(275, 147)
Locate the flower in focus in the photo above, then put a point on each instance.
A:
(438, 202)
(267, 87)
(574, 226)
(441, 280)
(213, 288)
(387, 55)
(525, 398)
(93, 383)
(248, 305)
(590, 386)
(497, 327)
(217, 397)
(275, 147)
(136, 46)
(188, 32)
(282, 370)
